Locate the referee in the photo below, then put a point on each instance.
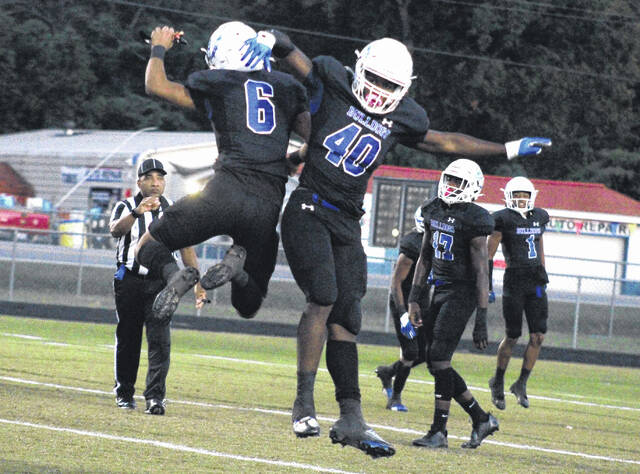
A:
(135, 289)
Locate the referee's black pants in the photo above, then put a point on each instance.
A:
(134, 300)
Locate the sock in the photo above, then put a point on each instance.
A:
(342, 364)
(473, 409)
(524, 375)
(443, 392)
(500, 374)
(351, 407)
(440, 418)
(401, 378)
(304, 395)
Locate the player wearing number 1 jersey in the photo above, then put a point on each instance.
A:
(252, 112)
(357, 117)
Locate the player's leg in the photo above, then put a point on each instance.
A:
(342, 353)
(512, 309)
(537, 312)
(130, 315)
(307, 245)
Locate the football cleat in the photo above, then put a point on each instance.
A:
(167, 300)
(385, 374)
(352, 431)
(126, 403)
(497, 393)
(395, 404)
(155, 407)
(306, 427)
(519, 389)
(229, 268)
(481, 431)
(432, 440)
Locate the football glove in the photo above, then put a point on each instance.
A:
(259, 49)
(526, 146)
(480, 333)
(492, 296)
(406, 327)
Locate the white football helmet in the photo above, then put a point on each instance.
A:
(521, 205)
(225, 43)
(470, 185)
(390, 60)
(419, 220)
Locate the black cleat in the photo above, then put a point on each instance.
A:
(126, 403)
(229, 268)
(432, 440)
(395, 404)
(306, 427)
(167, 300)
(385, 374)
(155, 407)
(497, 393)
(354, 432)
(481, 431)
(519, 389)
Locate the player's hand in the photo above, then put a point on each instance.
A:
(163, 36)
(150, 203)
(201, 296)
(480, 333)
(414, 314)
(492, 296)
(526, 146)
(406, 328)
(258, 49)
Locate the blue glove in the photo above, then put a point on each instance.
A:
(406, 328)
(258, 49)
(526, 146)
(492, 296)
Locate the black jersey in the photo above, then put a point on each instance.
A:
(252, 115)
(450, 229)
(348, 144)
(410, 246)
(521, 236)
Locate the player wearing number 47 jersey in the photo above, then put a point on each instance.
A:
(253, 112)
(520, 227)
(357, 117)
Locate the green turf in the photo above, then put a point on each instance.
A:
(227, 413)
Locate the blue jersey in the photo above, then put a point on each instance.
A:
(347, 144)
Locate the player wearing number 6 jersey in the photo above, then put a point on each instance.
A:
(357, 117)
(252, 112)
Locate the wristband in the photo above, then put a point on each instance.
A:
(283, 45)
(135, 214)
(158, 51)
(415, 296)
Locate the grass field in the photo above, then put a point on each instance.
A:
(229, 400)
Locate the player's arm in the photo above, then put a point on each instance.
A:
(155, 78)
(189, 258)
(419, 285)
(479, 257)
(400, 273)
(435, 141)
(492, 246)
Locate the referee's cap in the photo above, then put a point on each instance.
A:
(150, 164)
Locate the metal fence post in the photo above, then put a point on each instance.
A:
(13, 264)
(577, 315)
(81, 265)
(612, 309)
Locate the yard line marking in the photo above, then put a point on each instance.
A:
(276, 364)
(332, 420)
(174, 447)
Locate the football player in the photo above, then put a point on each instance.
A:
(253, 113)
(357, 117)
(454, 249)
(394, 376)
(519, 227)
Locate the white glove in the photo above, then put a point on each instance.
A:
(526, 146)
(406, 327)
(258, 49)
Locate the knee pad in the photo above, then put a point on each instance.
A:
(444, 384)
(514, 333)
(154, 255)
(347, 315)
(247, 299)
(410, 351)
(459, 385)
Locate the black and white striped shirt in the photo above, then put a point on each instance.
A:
(127, 243)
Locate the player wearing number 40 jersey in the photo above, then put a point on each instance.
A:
(357, 117)
(252, 112)
(520, 227)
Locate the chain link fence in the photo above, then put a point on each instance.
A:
(73, 267)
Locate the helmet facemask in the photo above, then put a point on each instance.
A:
(461, 181)
(521, 205)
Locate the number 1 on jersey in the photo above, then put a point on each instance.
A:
(531, 241)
